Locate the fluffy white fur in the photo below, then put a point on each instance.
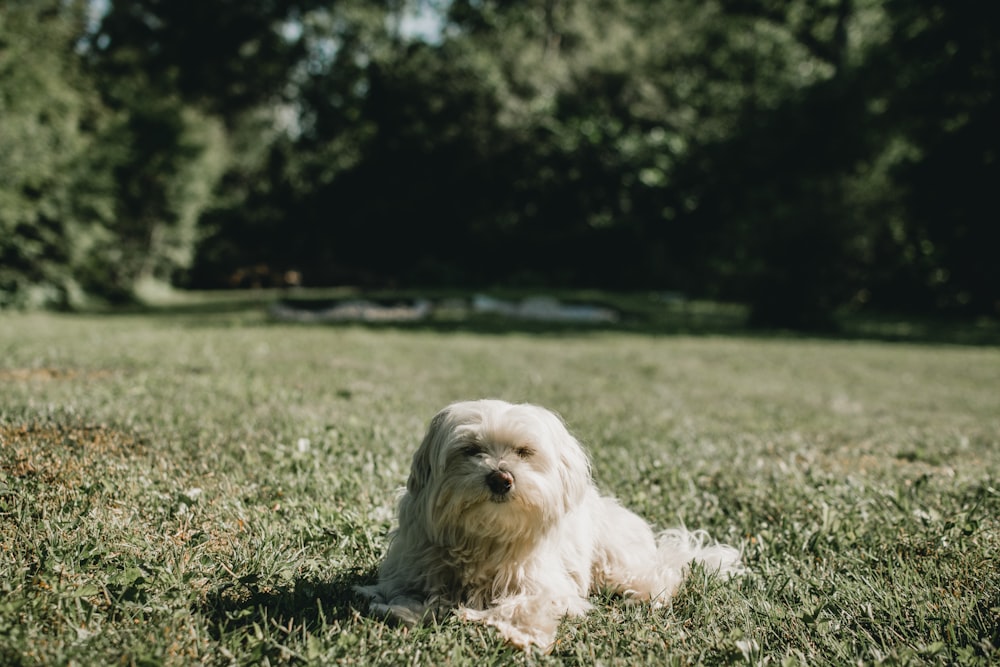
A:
(501, 521)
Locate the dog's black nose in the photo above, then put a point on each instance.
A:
(500, 482)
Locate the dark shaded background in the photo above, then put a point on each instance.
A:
(802, 157)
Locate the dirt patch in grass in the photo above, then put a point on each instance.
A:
(49, 374)
(60, 455)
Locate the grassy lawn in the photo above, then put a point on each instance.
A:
(206, 487)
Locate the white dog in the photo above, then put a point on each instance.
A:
(500, 519)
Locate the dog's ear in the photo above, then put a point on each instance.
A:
(574, 470)
(574, 465)
(420, 468)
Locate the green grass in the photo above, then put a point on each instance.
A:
(202, 486)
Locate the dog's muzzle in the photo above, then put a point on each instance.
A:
(500, 482)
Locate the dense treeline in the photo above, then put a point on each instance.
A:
(800, 155)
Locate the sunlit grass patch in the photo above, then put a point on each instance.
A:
(200, 488)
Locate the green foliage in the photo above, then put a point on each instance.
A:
(205, 486)
(801, 157)
(43, 144)
(164, 160)
(943, 101)
(101, 192)
(222, 56)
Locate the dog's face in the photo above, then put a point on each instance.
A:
(491, 469)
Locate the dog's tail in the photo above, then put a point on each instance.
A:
(679, 547)
(676, 550)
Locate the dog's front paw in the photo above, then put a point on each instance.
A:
(399, 609)
(527, 621)
(524, 636)
(410, 613)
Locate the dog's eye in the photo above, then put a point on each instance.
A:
(472, 450)
(524, 452)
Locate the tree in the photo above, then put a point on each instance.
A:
(799, 156)
(49, 217)
(224, 56)
(184, 79)
(779, 196)
(164, 159)
(939, 91)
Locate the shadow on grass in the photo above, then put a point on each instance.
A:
(306, 603)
